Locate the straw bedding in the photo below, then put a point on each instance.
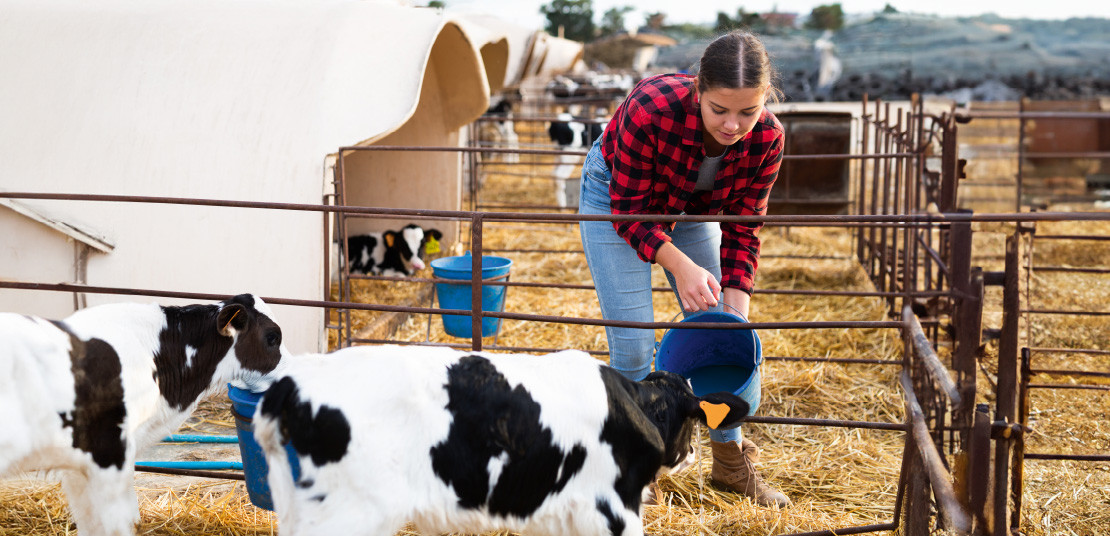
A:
(836, 477)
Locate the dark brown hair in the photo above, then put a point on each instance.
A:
(737, 60)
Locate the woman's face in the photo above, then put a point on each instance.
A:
(729, 114)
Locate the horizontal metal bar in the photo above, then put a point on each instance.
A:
(1032, 115)
(464, 215)
(1071, 269)
(1065, 312)
(68, 287)
(1072, 373)
(192, 472)
(452, 149)
(1071, 351)
(863, 529)
(832, 423)
(844, 360)
(1067, 457)
(200, 465)
(200, 438)
(1102, 238)
(1076, 386)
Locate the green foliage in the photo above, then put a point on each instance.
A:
(656, 21)
(688, 31)
(612, 22)
(437, 4)
(576, 17)
(745, 20)
(826, 17)
(889, 9)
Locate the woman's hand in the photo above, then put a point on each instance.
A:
(697, 289)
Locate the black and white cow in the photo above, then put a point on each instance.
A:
(502, 131)
(468, 442)
(83, 395)
(390, 253)
(571, 135)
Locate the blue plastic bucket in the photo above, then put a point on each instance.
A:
(255, 469)
(714, 360)
(457, 296)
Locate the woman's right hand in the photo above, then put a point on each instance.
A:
(697, 289)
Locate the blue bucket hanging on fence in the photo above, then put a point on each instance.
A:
(458, 295)
(255, 468)
(714, 360)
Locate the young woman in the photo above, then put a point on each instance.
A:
(682, 144)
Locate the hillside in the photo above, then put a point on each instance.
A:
(894, 55)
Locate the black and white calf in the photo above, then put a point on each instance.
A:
(390, 253)
(83, 395)
(467, 442)
(502, 132)
(571, 135)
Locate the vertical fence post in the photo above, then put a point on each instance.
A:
(1007, 383)
(344, 268)
(978, 468)
(476, 281)
(861, 188)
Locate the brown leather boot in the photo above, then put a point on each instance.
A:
(734, 470)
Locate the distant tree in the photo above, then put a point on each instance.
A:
(826, 17)
(724, 23)
(575, 17)
(751, 21)
(889, 9)
(439, 4)
(656, 21)
(612, 22)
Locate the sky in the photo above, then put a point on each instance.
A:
(526, 12)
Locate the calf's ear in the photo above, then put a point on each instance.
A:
(723, 410)
(231, 318)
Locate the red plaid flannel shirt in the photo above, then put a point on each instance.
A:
(654, 147)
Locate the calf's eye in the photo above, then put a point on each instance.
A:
(273, 338)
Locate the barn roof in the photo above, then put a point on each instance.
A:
(174, 89)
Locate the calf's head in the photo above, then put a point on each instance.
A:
(409, 244)
(203, 346)
(258, 348)
(674, 409)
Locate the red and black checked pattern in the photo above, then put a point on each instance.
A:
(654, 146)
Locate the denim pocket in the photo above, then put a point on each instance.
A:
(595, 182)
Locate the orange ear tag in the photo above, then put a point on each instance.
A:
(714, 413)
(388, 240)
(230, 320)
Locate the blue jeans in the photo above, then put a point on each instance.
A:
(623, 281)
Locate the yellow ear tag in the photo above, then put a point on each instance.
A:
(432, 246)
(714, 413)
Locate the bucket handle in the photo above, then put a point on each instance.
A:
(738, 313)
(660, 342)
(468, 281)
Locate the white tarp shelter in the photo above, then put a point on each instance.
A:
(217, 99)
